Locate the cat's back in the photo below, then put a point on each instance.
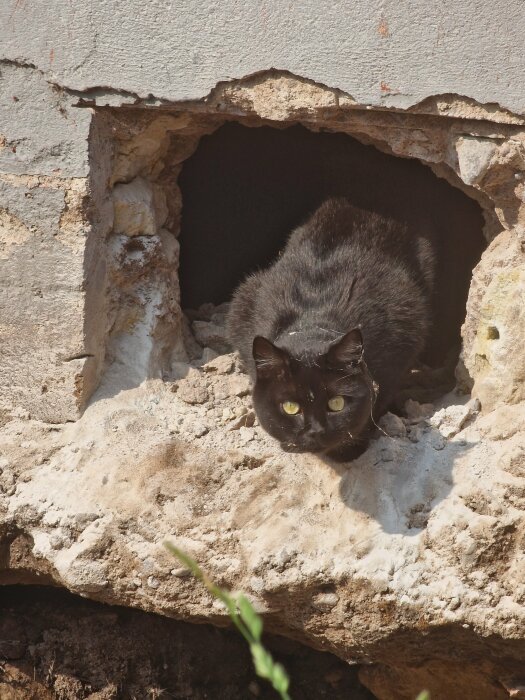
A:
(343, 267)
(338, 224)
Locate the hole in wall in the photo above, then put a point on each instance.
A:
(201, 205)
(246, 188)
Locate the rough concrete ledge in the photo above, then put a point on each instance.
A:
(423, 533)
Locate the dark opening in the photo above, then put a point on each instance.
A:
(245, 189)
(56, 644)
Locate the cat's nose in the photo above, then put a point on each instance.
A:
(314, 429)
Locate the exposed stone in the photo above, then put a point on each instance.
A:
(493, 330)
(222, 364)
(416, 411)
(474, 157)
(87, 576)
(13, 232)
(212, 335)
(247, 420)
(191, 390)
(324, 602)
(392, 425)
(279, 97)
(140, 208)
(398, 526)
(235, 385)
(452, 419)
(141, 153)
(208, 355)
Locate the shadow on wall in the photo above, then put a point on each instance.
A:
(399, 483)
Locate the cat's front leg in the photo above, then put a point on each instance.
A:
(347, 453)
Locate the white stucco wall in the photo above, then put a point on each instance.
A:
(379, 51)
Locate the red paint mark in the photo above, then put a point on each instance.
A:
(383, 28)
(19, 4)
(386, 89)
(51, 55)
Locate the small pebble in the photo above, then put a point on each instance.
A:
(324, 602)
(392, 425)
(221, 364)
(198, 429)
(437, 441)
(417, 411)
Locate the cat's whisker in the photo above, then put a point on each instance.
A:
(379, 427)
(373, 393)
(357, 439)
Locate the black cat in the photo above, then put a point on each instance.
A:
(330, 330)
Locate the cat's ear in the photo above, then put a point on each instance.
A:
(270, 361)
(348, 350)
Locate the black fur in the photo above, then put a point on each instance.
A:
(345, 310)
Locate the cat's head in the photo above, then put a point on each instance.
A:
(316, 404)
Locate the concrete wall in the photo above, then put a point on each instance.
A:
(379, 51)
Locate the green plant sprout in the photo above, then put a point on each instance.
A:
(249, 624)
(423, 695)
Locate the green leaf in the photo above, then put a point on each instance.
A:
(266, 667)
(423, 695)
(249, 624)
(262, 660)
(250, 618)
(224, 597)
(188, 562)
(280, 680)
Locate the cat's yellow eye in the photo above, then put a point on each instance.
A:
(291, 407)
(336, 403)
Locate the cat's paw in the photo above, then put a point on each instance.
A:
(347, 453)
